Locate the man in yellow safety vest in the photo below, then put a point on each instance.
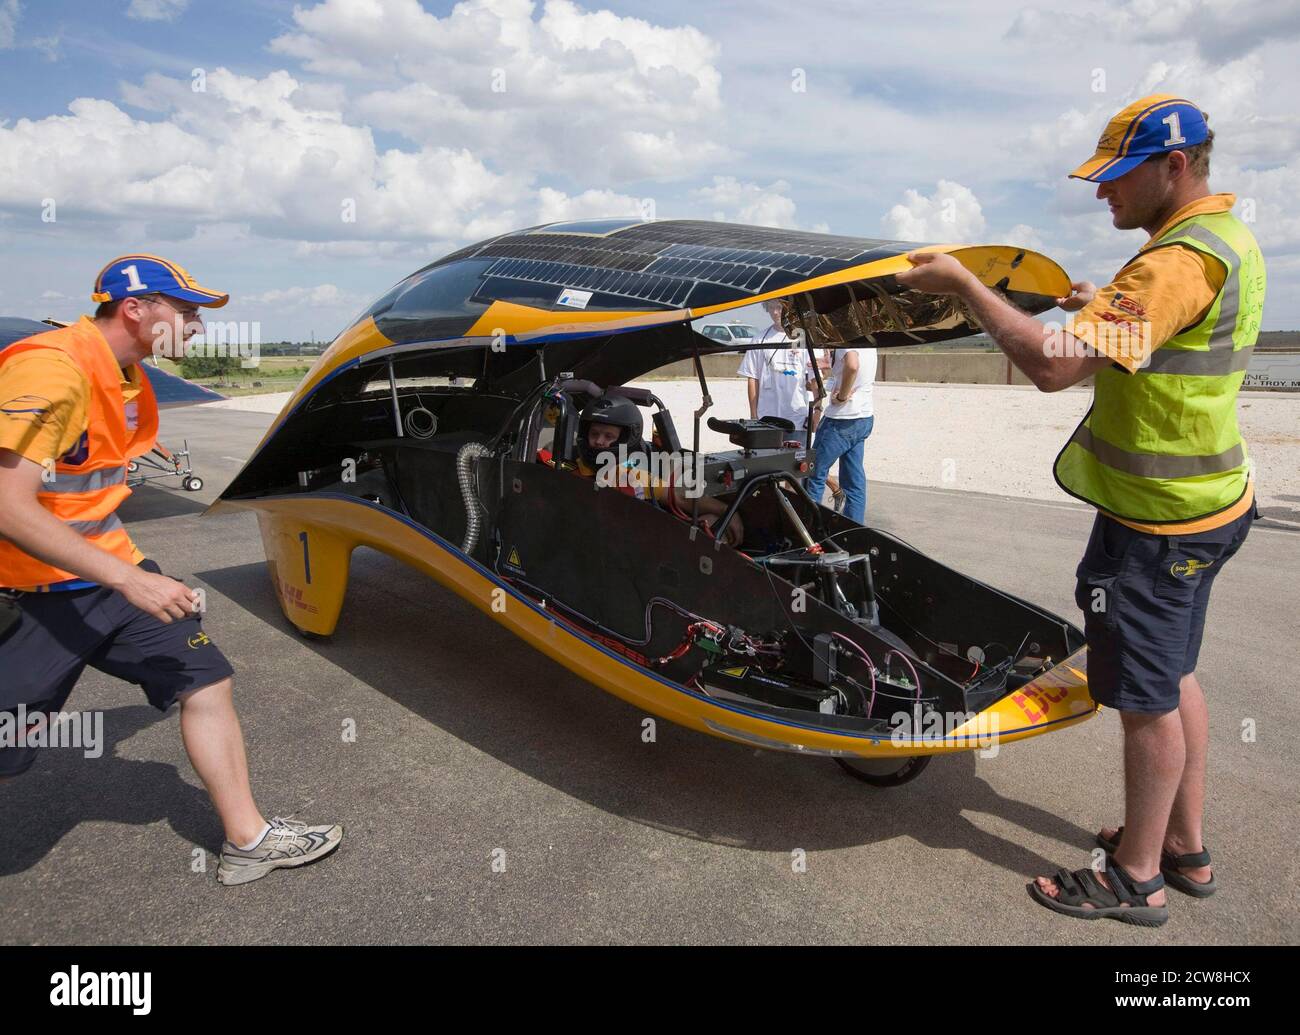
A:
(1160, 456)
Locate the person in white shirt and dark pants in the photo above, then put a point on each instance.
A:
(777, 376)
(844, 427)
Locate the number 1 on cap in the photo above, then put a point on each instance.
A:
(1175, 129)
(133, 281)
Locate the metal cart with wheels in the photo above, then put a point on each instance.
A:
(161, 462)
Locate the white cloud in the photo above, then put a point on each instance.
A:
(735, 200)
(297, 297)
(555, 206)
(10, 12)
(370, 252)
(246, 152)
(572, 91)
(1221, 30)
(1023, 236)
(952, 214)
(156, 10)
(391, 103)
(1256, 151)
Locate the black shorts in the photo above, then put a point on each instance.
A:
(59, 634)
(1144, 599)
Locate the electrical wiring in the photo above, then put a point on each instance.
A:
(869, 693)
(916, 680)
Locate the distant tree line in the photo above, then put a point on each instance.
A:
(193, 367)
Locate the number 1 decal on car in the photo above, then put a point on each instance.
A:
(306, 557)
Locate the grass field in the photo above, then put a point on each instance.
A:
(272, 374)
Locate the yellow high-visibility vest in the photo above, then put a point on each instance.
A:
(1162, 444)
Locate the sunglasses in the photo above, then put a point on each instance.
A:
(190, 312)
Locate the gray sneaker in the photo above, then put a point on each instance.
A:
(287, 843)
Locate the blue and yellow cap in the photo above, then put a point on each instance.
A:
(1154, 125)
(132, 275)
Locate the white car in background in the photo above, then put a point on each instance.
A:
(734, 333)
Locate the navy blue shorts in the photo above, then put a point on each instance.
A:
(59, 634)
(1144, 599)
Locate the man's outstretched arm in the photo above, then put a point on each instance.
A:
(1050, 357)
(24, 522)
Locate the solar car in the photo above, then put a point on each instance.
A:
(444, 428)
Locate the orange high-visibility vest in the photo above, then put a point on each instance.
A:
(88, 484)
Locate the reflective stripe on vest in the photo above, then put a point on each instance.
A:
(1221, 357)
(91, 481)
(1157, 465)
(1162, 445)
(90, 529)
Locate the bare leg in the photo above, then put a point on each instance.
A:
(215, 744)
(1154, 760)
(1184, 833)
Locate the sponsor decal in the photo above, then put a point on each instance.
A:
(1037, 699)
(573, 298)
(1122, 323)
(34, 408)
(1186, 569)
(1121, 301)
(293, 598)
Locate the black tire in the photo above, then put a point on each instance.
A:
(885, 772)
(192, 484)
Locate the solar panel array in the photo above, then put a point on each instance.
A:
(673, 264)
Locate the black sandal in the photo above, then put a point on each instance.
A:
(1171, 864)
(1081, 894)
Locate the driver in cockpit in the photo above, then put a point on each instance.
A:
(610, 448)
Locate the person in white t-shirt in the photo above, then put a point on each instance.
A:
(777, 375)
(844, 427)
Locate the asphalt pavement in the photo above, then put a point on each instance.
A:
(491, 796)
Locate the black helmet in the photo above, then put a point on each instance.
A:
(622, 413)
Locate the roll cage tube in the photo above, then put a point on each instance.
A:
(762, 479)
(829, 564)
(556, 392)
(817, 373)
(662, 418)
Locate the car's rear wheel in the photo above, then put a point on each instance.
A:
(885, 772)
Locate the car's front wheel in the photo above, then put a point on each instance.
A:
(885, 772)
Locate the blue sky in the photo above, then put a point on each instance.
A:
(443, 124)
